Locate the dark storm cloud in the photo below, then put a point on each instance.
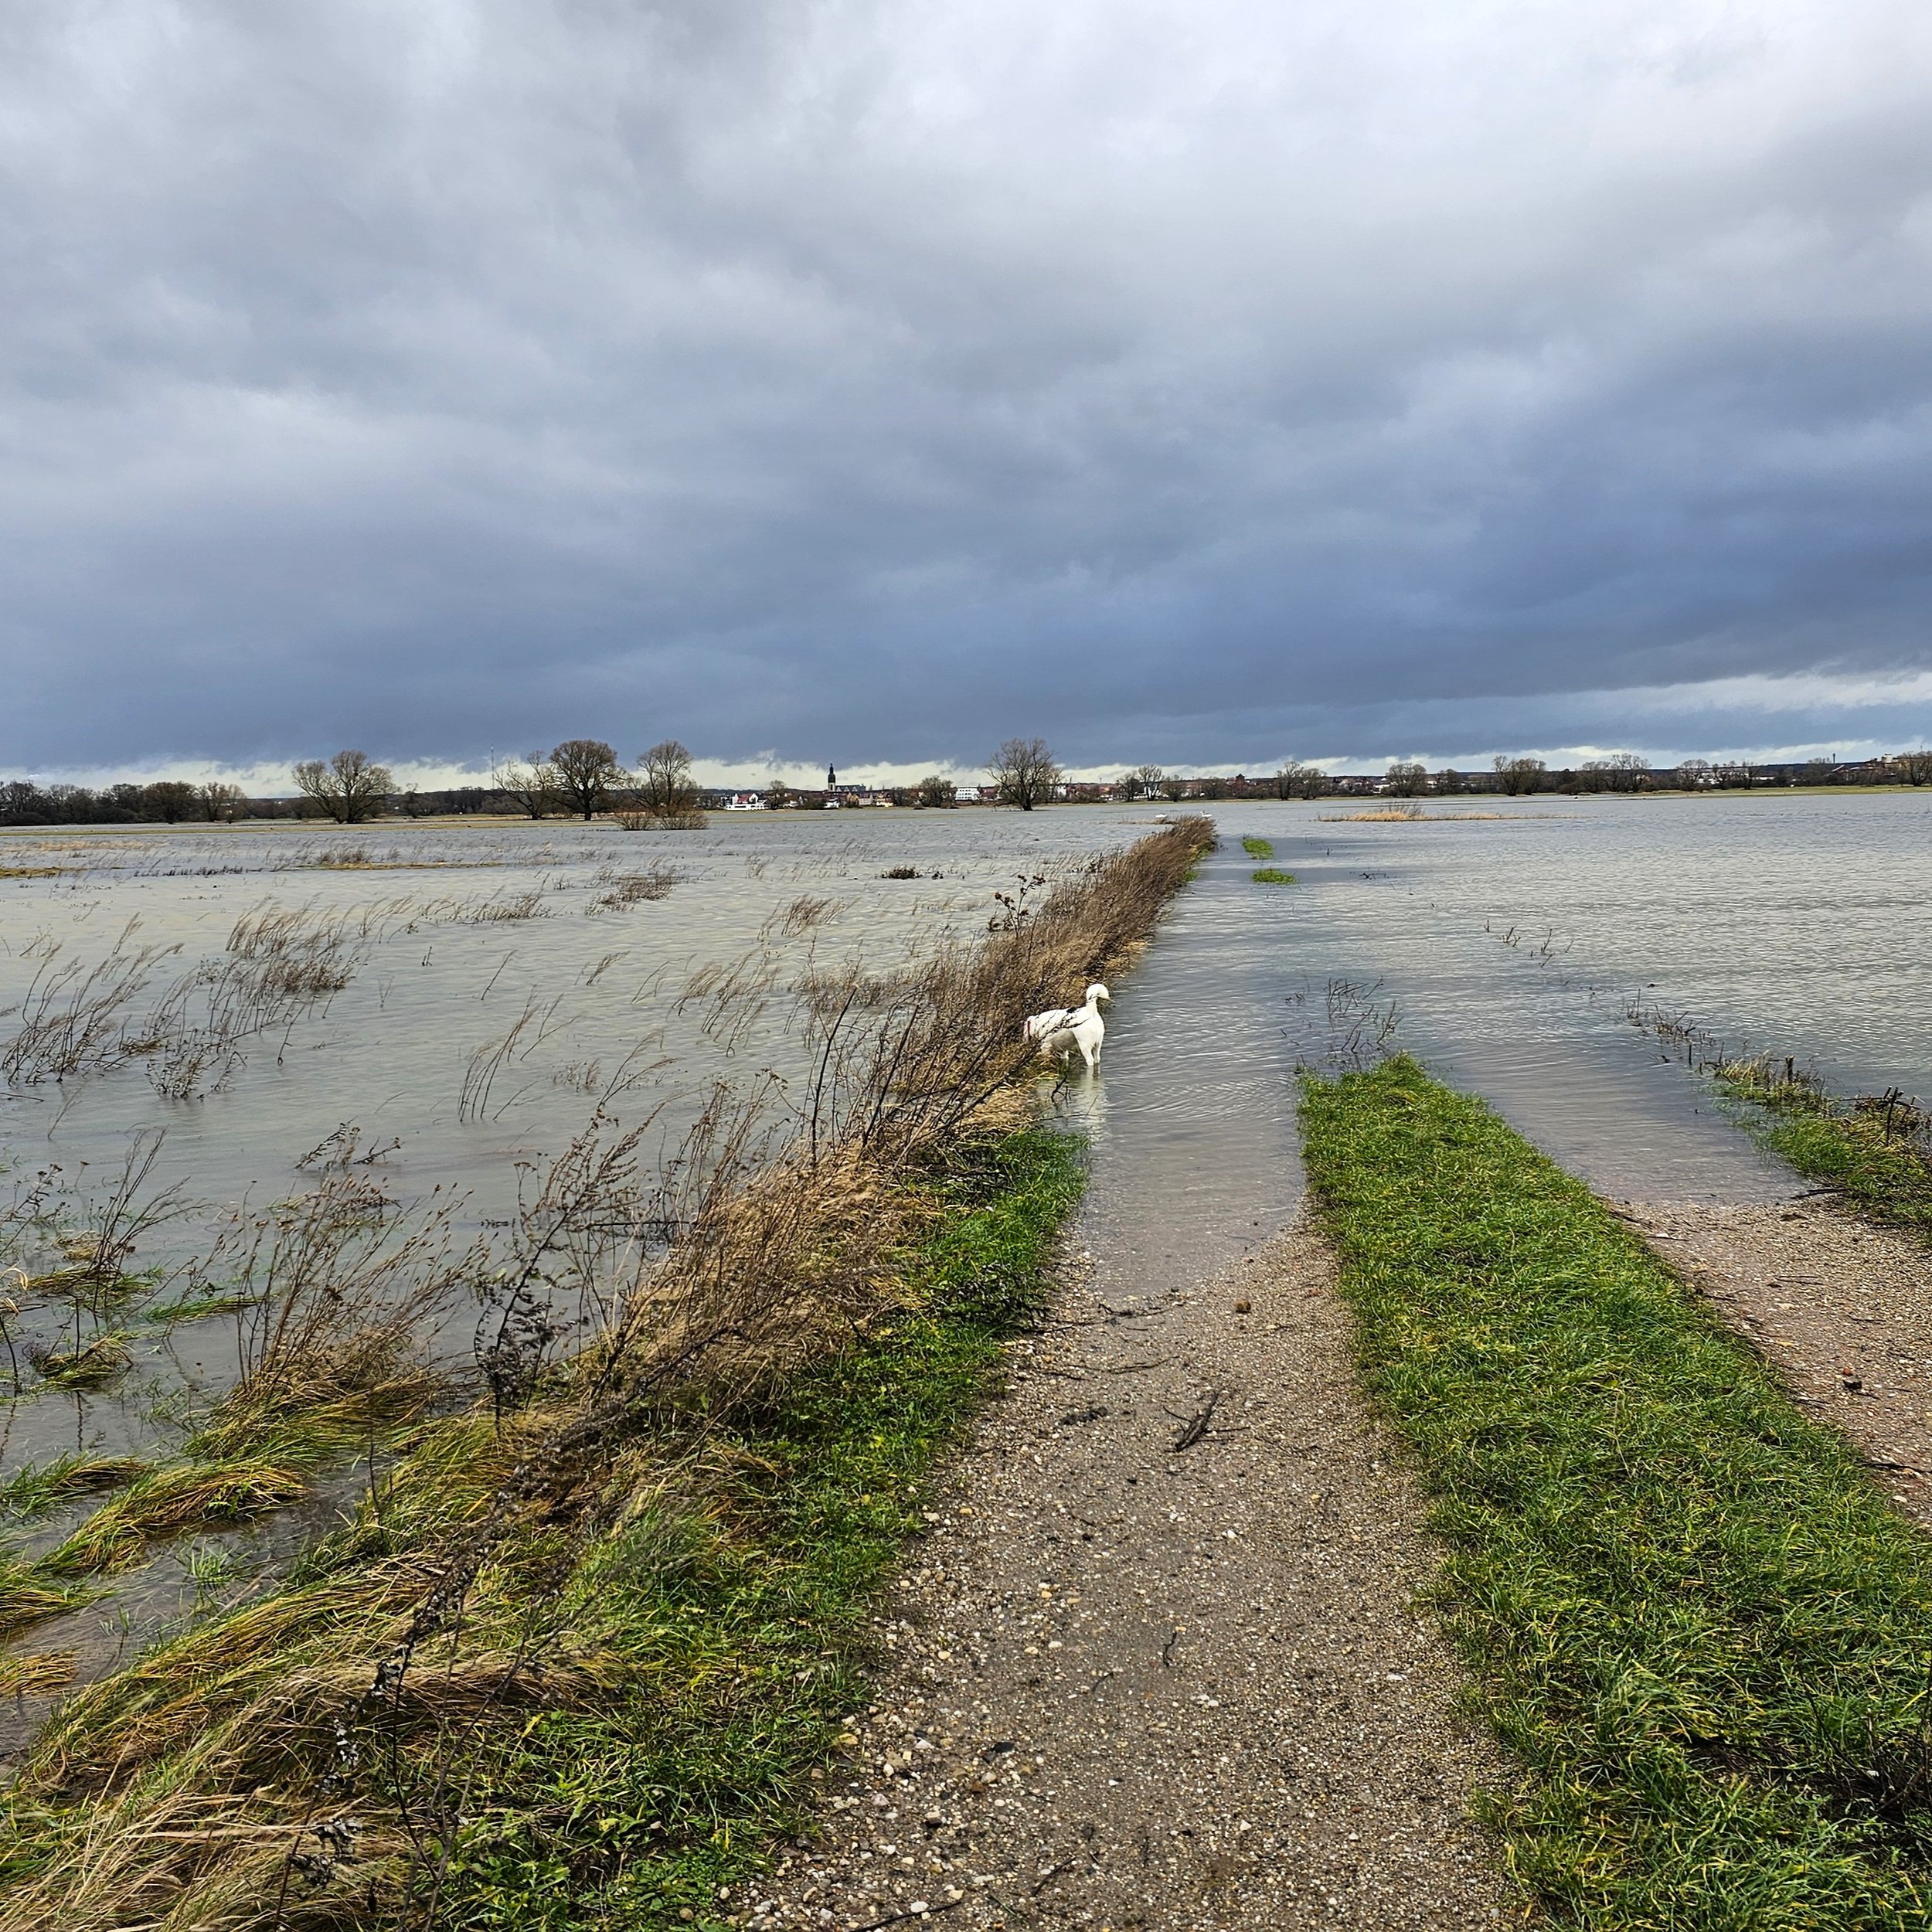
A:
(1198, 383)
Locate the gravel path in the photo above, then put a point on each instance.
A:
(1158, 1664)
(1840, 1305)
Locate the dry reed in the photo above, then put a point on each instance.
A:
(623, 890)
(73, 1015)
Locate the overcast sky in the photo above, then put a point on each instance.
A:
(1197, 381)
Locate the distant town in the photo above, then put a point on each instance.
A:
(548, 787)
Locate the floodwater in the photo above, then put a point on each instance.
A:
(503, 982)
(502, 985)
(1512, 947)
(1504, 951)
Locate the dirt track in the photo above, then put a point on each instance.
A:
(1840, 1305)
(1138, 1684)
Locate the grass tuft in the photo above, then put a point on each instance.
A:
(91, 1366)
(1873, 1151)
(1696, 1622)
(40, 1488)
(1273, 875)
(1262, 849)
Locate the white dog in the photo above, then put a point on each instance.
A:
(1061, 1030)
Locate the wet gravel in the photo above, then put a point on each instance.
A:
(1158, 1662)
(1840, 1305)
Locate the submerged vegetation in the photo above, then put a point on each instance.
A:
(569, 1659)
(1875, 1150)
(1694, 1621)
(1266, 875)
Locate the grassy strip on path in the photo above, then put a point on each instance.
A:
(1875, 1149)
(1266, 875)
(1693, 1618)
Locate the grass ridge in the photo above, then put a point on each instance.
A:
(1694, 1620)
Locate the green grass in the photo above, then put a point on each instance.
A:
(631, 1814)
(1843, 1145)
(685, 1664)
(1258, 847)
(1273, 875)
(37, 1489)
(1701, 1631)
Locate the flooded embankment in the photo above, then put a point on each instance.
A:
(266, 1089)
(699, 1493)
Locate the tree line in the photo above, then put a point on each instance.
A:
(584, 778)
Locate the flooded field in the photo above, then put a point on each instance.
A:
(235, 1061)
(203, 1034)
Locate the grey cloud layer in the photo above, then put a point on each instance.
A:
(879, 379)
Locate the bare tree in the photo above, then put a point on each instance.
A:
(1621, 771)
(220, 802)
(1143, 781)
(170, 800)
(529, 783)
(1024, 771)
(1519, 776)
(1406, 779)
(668, 792)
(1296, 780)
(1917, 766)
(349, 788)
(1694, 774)
(778, 795)
(586, 770)
(935, 789)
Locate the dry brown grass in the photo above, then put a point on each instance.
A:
(503, 907)
(624, 889)
(38, 1674)
(280, 964)
(74, 1017)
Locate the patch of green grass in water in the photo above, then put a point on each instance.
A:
(746, 1626)
(1273, 875)
(1258, 847)
(197, 1308)
(1828, 1141)
(1692, 1617)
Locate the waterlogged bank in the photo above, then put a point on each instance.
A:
(419, 1084)
(400, 1725)
(1696, 1623)
(1510, 947)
